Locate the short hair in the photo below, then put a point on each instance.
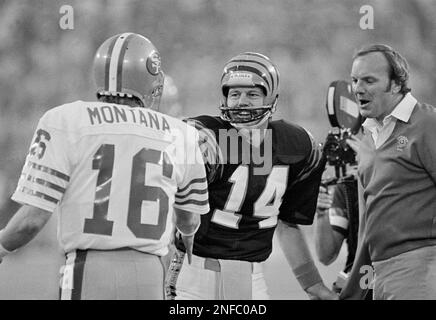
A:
(130, 101)
(398, 66)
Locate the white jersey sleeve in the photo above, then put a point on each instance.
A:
(46, 172)
(192, 193)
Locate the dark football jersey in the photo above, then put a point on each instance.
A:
(246, 202)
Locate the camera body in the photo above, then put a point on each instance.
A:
(345, 119)
(336, 150)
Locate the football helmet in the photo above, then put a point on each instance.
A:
(250, 69)
(129, 65)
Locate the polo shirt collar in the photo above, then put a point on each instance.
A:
(402, 111)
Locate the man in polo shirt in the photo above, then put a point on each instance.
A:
(397, 173)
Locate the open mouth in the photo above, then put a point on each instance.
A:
(242, 115)
(363, 102)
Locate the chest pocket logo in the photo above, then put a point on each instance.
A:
(402, 143)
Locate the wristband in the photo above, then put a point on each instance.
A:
(3, 250)
(307, 275)
(191, 233)
(322, 212)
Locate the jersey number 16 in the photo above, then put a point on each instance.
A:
(103, 161)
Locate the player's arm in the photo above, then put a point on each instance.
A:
(22, 228)
(296, 251)
(328, 241)
(298, 207)
(191, 198)
(43, 181)
(187, 224)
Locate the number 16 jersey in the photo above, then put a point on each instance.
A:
(113, 174)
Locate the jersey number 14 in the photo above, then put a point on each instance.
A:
(266, 206)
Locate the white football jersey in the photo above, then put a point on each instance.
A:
(113, 174)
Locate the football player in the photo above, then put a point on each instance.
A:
(114, 170)
(250, 199)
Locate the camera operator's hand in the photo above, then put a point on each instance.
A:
(325, 200)
(354, 143)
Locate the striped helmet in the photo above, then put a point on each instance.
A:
(250, 69)
(129, 65)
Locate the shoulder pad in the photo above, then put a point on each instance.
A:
(291, 139)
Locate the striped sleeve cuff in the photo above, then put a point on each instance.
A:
(40, 186)
(193, 196)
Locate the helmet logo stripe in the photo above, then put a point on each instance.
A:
(253, 70)
(264, 66)
(115, 56)
(120, 63)
(107, 65)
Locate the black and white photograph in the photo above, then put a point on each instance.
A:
(224, 150)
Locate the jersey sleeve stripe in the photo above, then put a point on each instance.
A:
(193, 186)
(197, 197)
(48, 170)
(201, 180)
(45, 183)
(191, 192)
(38, 194)
(191, 201)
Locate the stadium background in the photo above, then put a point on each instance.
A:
(311, 41)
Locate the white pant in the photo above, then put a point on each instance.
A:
(213, 279)
(122, 274)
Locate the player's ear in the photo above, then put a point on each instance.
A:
(395, 87)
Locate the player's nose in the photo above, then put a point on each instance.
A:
(243, 100)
